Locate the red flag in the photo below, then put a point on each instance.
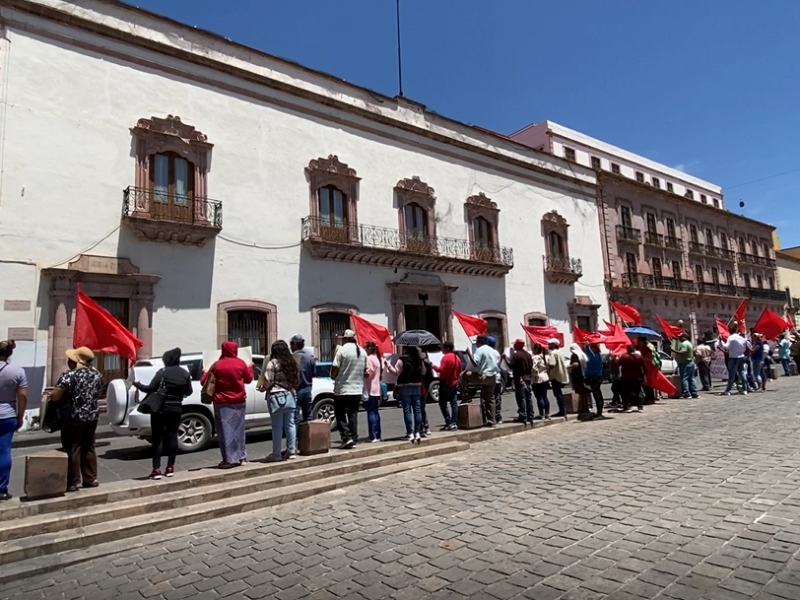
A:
(770, 325)
(372, 332)
(672, 331)
(583, 337)
(738, 316)
(98, 330)
(472, 325)
(609, 330)
(618, 342)
(722, 328)
(657, 380)
(628, 313)
(541, 334)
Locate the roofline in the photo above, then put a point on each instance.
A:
(677, 198)
(782, 255)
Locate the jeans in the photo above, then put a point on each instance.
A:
(303, 405)
(410, 401)
(345, 407)
(756, 375)
(688, 384)
(704, 369)
(164, 427)
(372, 404)
(594, 384)
(540, 391)
(735, 369)
(283, 422)
(557, 386)
(7, 429)
(448, 403)
(785, 364)
(524, 396)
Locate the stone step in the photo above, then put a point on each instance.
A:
(147, 521)
(73, 518)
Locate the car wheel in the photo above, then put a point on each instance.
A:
(194, 432)
(323, 411)
(433, 392)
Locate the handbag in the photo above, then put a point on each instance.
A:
(281, 401)
(209, 387)
(154, 402)
(61, 414)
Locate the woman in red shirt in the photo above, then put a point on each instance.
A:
(449, 370)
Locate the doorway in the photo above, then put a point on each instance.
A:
(423, 317)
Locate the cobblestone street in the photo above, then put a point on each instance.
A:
(690, 500)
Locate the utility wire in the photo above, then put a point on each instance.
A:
(730, 187)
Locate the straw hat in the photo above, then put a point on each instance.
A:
(80, 356)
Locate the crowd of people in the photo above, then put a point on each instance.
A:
(286, 379)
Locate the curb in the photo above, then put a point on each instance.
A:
(49, 439)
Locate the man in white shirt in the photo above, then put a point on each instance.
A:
(736, 347)
(347, 372)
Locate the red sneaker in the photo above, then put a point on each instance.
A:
(169, 472)
(156, 474)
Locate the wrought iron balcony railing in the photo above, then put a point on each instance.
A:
(795, 303)
(629, 234)
(651, 238)
(672, 242)
(726, 254)
(164, 207)
(761, 294)
(318, 229)
(752, 259)
(673, 284)
(558, 264)
(697, 248)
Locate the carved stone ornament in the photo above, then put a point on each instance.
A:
(555, 219)
(480, 200)
(331, 165)
(416, 186)
(171, 126)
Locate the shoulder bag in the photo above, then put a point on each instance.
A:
(209, 387)
(154, 402)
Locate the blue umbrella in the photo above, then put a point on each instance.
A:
(634, 332)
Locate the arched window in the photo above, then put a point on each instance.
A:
(416, 221)
(251, 323)
(482, 219)
(556, 245)
(482, 233)
(332, 207)
(172, 184)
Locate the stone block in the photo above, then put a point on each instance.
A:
(775, 370)
(314, 437)
(676, 381)
(45, 474)
(793, 368)
(470, 416)
(572, 403)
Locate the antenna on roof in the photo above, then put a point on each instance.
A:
(399, 54)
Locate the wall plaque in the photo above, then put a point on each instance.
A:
(21, 334)
(18, 305)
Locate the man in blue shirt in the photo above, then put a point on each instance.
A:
(593, 376)
(307, 364)
(487, 368)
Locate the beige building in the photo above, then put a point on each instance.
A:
(788, 261)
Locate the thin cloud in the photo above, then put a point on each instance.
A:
(686, 167)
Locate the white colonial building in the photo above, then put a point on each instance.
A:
(201, 190)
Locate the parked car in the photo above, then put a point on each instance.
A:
(197, 424)
(322, 393)
(668, 364)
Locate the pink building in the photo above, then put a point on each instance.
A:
(669, 246)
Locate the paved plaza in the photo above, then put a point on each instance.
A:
(695, 499)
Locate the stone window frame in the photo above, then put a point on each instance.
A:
(553, 222)
(322, 172)
(618, 204)
(705, 227)
(158, 135)
(687, 223)
(479, 205)
(723, 231)
(496, 314)
(582, 306)
(223, 308)
(415, 191)
(326, 308)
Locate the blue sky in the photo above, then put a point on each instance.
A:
(709, 86)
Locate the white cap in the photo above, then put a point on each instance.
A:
(554, 342)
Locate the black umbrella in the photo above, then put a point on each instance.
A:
(416, 337)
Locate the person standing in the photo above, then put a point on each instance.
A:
(231, 375)
(409, 370)
(702, 361)
(540, 381)
(593, 375)
(683, 351)
(785, 353)
(557, 372)
(616, 382)
(794, 349)
(372, 385)
(521, 365)
(498, 380)
(651, 355)
(347, 372)
(13, 402)
(164, 423)
(577, 363)
(633, 372)
(735, 347)
(307, 368)
(80, 385)
(279, 380)
(488, 369)
(449, 370)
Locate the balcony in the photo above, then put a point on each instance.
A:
(651, 238)
(657, 282)
(562, 270)
(629, 234)
(721, 253)
(752, 259)
(159, 217)
(697, 248)
(673, 243)
(371, 245)
(795, 303)
(772, 295)
(720, 289)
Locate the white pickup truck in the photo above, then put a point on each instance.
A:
(197, 425)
